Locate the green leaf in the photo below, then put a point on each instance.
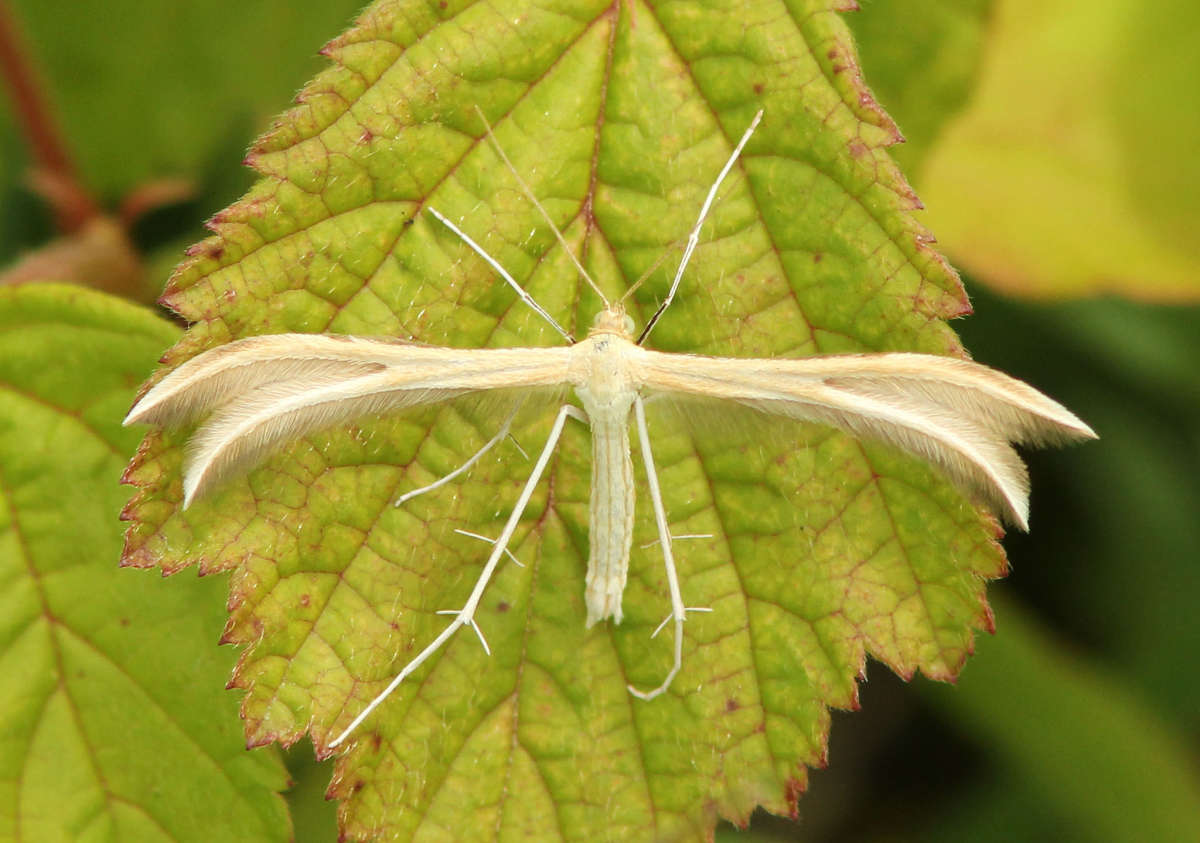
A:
(823, 549)
(136, 84)
(1115, 596)
(1075, 731)
(921, 58)
(114, 722)
(1072, 171)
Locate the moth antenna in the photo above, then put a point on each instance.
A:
(650, 270)
(694, 236)
(512, 282)
(562, 241)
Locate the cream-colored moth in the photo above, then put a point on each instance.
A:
(266, 390)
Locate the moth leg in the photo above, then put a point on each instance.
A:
(487, 446)
(482, 538)
(678, 610)
(466, 615)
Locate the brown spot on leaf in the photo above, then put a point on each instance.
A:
(817, 257)
(731, 705)
(262, 740)
(502, 606)
(759, 87)
(795, 789)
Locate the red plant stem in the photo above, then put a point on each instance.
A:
(72, 203)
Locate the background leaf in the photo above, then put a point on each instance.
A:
(921, 59)
(1073, 731)
(192, 62)
(134, 89)
(821, 553)
(1076, 143)
(105, 736)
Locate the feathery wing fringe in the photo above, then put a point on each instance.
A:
(956, 414)
(242, 432)
(270, 389)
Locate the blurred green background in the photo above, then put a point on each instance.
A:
(1054, 144)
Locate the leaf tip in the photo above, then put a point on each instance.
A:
(129, 478)
(796, 787)
(134, 559)
(332, 48)
(172, 568)
(988, 619)
(259, 739)
(212, 248)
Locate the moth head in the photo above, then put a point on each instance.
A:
(613, 320)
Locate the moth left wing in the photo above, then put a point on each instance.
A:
(267, 390)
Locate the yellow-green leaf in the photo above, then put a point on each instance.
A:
(822, 550)
(1071, 172)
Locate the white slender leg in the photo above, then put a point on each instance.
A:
(466, 615)
(487, 446)
(482, 538)
(678, 610)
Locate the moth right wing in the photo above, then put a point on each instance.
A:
(959, 415)
(267, 390)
